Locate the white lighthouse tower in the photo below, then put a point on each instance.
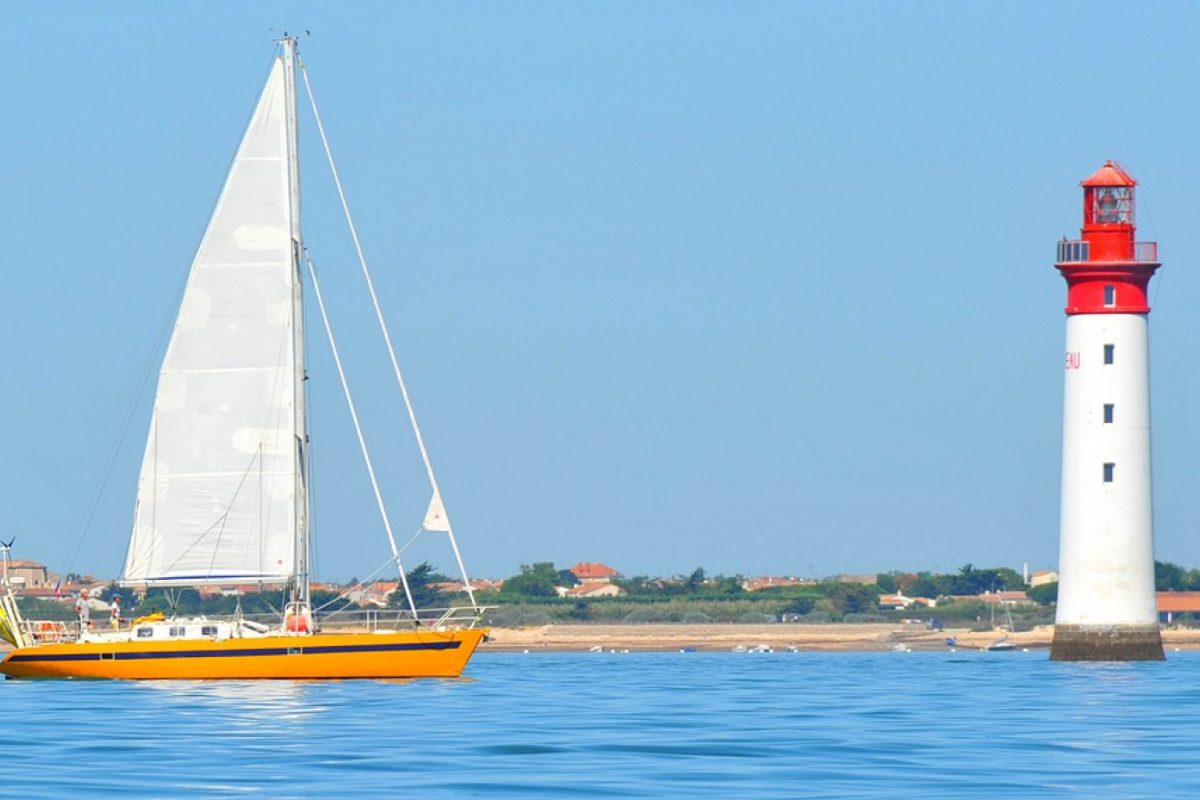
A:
(1106, 601)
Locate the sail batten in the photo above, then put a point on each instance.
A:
(220, 475)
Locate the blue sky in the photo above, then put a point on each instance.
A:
(766, 288)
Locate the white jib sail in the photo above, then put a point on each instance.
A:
(435, 515)
(217, 494)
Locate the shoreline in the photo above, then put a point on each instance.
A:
(861, 638)
(720, 638)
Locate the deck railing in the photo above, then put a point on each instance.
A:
(349, 620)
(1074, 251)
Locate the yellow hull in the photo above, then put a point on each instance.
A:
(409, 654)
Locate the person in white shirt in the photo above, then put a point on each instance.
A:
(84, 612)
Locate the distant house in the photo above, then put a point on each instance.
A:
(1005, 598)
(585, 590)
(865, 580)
(375, 594)
(1042, 577)
(44, 592)
(899, 601)
(767, 582)
(1172, 604)
(32, 574)
(477, 584)
(594, 572)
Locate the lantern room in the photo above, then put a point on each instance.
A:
(1108, 196)
(1107, 271)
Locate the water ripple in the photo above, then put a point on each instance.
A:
(812, 725)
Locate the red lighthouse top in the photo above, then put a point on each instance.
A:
(1107, 271)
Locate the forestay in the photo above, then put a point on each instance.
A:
(221, 489)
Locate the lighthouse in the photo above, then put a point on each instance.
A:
(1106, 602)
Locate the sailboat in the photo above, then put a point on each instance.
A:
(223, 492)
(1002, 644)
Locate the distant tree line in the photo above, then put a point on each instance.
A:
(695, 596)
(967, 581)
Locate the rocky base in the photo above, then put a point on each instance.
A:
(1106, 643)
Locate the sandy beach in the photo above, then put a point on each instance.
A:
(863, 638)
(813, 638)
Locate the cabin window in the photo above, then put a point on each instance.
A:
(1109, 468)
(1108, 353)
(145, 633)
(208, 630)
(1110, 296)
(178, 630)
(1108, 413)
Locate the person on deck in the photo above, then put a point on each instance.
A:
(84, 612)
(114, 610)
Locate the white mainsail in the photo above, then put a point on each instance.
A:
(221, 490)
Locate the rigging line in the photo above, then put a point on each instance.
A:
(89, 515)
(371, 578)
(387, 338)
(359, 585)
(362, 442)
(220, 521)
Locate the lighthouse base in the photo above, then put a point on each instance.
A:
(1106, 643)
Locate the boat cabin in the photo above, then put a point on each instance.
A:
(182, 629)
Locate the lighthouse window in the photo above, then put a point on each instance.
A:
(1111, 204)
(1110, 296)
(1108, 472)
(1108, 413)
(1108, 353)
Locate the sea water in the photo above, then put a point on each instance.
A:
(753, 725)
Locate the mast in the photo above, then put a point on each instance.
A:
(300, 593)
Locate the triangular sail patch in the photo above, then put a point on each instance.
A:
(435, 515)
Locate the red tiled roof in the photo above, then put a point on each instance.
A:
(39, 591)
(1178, 602)
(486, 583)
(593, 570)
(766, 582)
(25, 563)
